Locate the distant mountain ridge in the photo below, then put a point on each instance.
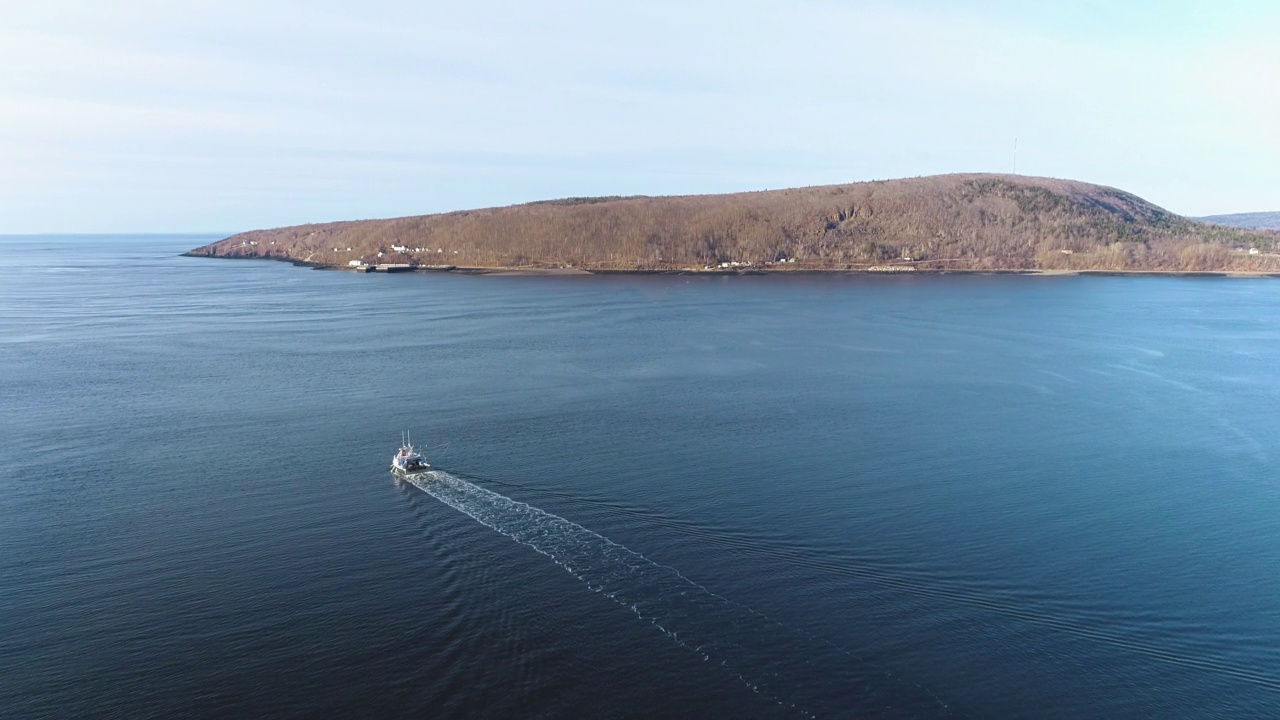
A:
(1252, 220)
(945, 222)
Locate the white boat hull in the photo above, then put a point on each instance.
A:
(404, 473)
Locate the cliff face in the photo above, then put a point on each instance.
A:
(942, 222)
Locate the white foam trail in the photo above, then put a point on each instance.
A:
(948, 592)
(761, 652)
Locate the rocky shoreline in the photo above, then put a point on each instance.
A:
(501, 271)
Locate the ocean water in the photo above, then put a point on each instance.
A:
(656, 496)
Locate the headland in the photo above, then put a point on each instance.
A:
(946, 223)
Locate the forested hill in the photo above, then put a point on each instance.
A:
(1255, 220)
(941, 222)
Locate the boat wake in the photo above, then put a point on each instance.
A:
(767, 656)
(1126, 638)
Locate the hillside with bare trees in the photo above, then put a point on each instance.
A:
(962, 222)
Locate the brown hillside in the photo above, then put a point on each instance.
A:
(941, 222)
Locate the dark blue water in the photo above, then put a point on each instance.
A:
(925, 497)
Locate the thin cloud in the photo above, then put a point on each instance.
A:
(288, 109)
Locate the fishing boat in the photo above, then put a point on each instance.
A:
(408, 461)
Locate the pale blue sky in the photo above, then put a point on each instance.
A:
(150, 115)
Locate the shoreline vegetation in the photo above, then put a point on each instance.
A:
(534, 271)
(971, 223)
